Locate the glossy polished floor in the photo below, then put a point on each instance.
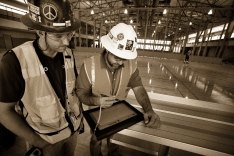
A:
(200, 81)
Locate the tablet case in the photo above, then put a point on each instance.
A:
(119, 116)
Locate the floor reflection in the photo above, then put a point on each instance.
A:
(207, 82)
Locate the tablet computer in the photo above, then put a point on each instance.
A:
(119, 116)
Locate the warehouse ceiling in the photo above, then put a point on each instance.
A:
(182, 17)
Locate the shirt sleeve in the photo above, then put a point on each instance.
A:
(11, 80)
(135, 80)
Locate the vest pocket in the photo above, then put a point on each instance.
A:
(47, 108)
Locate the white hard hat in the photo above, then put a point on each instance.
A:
(121, 41)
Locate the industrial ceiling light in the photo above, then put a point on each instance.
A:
(190, 23)
(164, 11)
(22, 1)
(92, 12)
(210, 12)
(179, 28)
(13, 9)
(159, 22)
(125, 11)
(131, 21)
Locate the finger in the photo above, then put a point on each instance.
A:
(146, 118)
(112, 98)
(158, 123)
(107, 103)
(151, 122)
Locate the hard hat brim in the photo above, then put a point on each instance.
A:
(125, 54)
(26, 20)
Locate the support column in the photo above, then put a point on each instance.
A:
(8, 41)
(94, 34)
(146, 27)
(227, 36)
(86, 34)
(208, 39)
(219, 41)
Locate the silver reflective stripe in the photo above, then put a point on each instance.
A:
(85, 68)
(130, 67)
(120, 81)
(25, 73)
(108, 76)
(92, 71)
(68, 64)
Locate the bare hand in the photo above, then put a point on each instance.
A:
(151, 119)
(105, 102)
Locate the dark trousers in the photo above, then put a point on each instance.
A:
(102, 147)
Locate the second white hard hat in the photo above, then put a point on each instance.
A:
(121, 41)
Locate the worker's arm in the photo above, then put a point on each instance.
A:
(150, 117)
(10, 119)
(84, 92)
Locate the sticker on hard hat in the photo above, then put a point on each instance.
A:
(110, 35)
(59, 24)
(120, 36)
(68, 23)
(34, 9)
(50, 11)
(120, 47)
(114, 39)
(34, 12)
(129, 45)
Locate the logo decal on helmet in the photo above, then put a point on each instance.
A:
(120, 47)
(120, 36)
(68, 23)
(129, 45)
(50, 11)
(34, 12)
(34, 9)
(110, 35)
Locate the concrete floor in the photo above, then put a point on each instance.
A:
(200, 81)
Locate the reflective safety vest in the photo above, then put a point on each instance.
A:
(41, 106)
(100, 80)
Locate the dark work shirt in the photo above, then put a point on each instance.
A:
(12, 84)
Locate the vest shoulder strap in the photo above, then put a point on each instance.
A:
(132, 66)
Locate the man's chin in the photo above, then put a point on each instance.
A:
(62, 49)
(115, 66)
